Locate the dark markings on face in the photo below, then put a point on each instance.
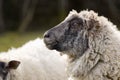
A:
(71, 29)
(3, 70)
(69, 36)
(75, 25)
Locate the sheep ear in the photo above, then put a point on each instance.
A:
(13, 64)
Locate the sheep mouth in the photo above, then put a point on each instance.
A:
(50, 46)
(54, 46)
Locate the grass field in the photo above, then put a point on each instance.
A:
(14, 39)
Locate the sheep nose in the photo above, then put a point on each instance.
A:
(47, 35)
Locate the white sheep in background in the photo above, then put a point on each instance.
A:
(32, 61)
(92, 44)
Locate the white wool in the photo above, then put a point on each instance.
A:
(37, 62)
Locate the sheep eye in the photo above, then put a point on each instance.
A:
(75, 24)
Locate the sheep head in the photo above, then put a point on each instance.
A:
(5, 68)
(72, 35)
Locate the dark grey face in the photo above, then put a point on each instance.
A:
(68, 37)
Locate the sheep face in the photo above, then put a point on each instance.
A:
(5, 69)
(70, 36)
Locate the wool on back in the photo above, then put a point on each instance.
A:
(37, 62)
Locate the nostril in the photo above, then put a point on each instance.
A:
(46, 36)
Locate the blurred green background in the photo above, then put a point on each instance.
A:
(24, 20)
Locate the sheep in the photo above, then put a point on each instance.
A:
(32, 61)
(91, 43)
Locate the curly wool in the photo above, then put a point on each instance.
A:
(102, 60)
(91, 43)
(36, 62)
